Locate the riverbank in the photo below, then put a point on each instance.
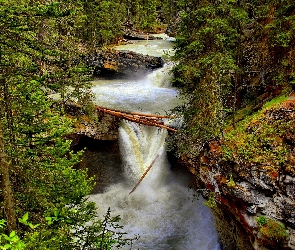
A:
(248, 178)
(248, 198)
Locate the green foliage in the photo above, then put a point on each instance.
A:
(271, 231)
(275, 34)
(211, 201)
(143, 13)
(24, 221)
(78, 227)
(12, 241)
(207, 51)
(69, 230)
(229, 53)
(102, 21)
(109, 233)
(38, 51)
(257, 138)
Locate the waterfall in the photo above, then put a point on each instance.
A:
(140, 145)
(162, 210)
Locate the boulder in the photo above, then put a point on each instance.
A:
(113, 64)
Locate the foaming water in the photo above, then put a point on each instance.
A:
(160, 48)
(161, 210)
(152, 93)
(161, 78)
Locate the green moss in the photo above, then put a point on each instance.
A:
(211, 201)
(231, 183)
(275, 102)
(271, 231)
(261, 221)
(257, 137)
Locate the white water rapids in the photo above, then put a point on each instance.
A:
(162, 210)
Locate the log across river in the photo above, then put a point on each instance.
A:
(153, 201)
(140, 118)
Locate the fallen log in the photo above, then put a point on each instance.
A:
(141, 119)
(145, 173)
(152, 115)
(135, 113)
(147, 122)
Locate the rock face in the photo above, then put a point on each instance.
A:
(173, 26)
(113, 63)
(98, 127)
(131, 33)
(105, 128)
(249, 178)
(102, 159)
(98, 137)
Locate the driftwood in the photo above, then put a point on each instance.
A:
(146, 119)
(148, 169)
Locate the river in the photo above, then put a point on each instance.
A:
(162, 211)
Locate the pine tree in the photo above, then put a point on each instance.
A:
(208, 51)
(103, 20)
(229, 53)
(37, 166)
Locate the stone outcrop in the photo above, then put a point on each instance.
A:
(104, 128)
(173, 26)
(99, 126)
(251, 191)
(131, 33)
(112, 63)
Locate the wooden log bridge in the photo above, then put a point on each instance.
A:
(146, 119)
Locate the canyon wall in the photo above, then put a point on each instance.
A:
(248, 178)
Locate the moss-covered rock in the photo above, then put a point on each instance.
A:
(250, 172)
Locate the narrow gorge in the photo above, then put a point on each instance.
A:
(163, 211)
(147, 124)
(240, 191)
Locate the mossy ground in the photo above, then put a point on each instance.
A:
(260, 137)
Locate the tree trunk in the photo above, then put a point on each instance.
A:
(146, 119)
(9, 209)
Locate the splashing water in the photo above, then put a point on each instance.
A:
(153, 93)
(161, 210)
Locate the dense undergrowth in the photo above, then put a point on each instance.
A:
(259, 137)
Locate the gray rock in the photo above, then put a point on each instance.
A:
(114, 64)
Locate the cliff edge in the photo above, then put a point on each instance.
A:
(248, 177)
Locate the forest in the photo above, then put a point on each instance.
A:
(232, 56)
